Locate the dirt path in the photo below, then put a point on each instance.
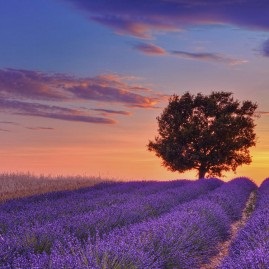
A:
(235, 227)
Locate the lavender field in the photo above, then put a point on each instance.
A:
(138, 225)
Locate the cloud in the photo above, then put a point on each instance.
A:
(262, 112)
(265, 48)
(34, 85)
(109, 111)
(9, 122)
(49, 111)
(212, 57)
(113, 89)
(139, 18)
(38, 128)
(150, 49)
(4, 130)
(140, 88)
(40, 94)
(124, 26)
(110, 94)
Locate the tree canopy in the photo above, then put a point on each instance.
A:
(210, 133)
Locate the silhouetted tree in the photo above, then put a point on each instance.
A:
(209, 133)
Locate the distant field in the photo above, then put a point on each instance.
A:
(15, 185)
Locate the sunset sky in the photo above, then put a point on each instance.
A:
(82, 81)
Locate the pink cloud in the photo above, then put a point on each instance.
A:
(39, 128)
(38, 94)
(33, 85)
(4, 130)
(150, 49)
(211, 57)
(139, 18)
(123, 25)
(110, 111)
(9, 122)
(110, 94)
(50, 111)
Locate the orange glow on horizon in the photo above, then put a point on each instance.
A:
(128, 163)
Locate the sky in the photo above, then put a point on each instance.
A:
(82, 81)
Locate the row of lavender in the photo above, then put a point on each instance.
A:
(251, 246)
(32, 226)
(186, 237)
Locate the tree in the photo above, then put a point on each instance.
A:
(209, 133)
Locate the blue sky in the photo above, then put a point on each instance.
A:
(81, 82)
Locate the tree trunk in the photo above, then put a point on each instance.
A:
(202, 172)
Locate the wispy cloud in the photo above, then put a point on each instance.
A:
(111, 94)
(9, 122)
(39, 128)
(212, 57)
(109, 111)
(265, 48)
(262, 112)
(33, 85)
(39, 94)
(139, 18)
(150, 49)
(4, 130)
(111, 88)
(49, 111)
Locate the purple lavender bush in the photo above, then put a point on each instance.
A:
(184, 238)
(32, 229)
(251, 246)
